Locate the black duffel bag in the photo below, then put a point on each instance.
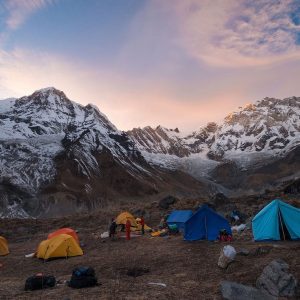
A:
(39, 282)
(83, 277)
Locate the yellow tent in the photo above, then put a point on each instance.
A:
(3, 246)
(62, 245)
(124, 216)
(135, 223)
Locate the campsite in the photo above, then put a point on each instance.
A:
(144, 267)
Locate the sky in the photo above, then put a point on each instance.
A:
(175, 63)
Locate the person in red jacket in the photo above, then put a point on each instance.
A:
(143, 224)
(127, 227)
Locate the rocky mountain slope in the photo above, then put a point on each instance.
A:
(270, 125)
(59, 157)
(254, 137)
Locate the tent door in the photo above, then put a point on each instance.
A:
(206, 233)
(284, 233)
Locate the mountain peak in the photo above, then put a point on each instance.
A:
(46, 92)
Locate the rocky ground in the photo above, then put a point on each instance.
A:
(189, 270)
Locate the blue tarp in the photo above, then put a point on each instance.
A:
(205, 224)
(267, 224)
(179, 217)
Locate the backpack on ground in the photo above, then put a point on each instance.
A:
(83, 277)
(38, 282)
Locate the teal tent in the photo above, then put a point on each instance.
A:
(277, 221)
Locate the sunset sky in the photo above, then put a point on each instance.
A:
(178, 63)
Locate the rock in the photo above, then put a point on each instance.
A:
(226, 257)
(261, 250)
(243, 252)
(235, 291)
(219, 199)
(276, 280)
(166, 202)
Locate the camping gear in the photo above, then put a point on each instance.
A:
(224, 236)
(277, 221)
(156, 233)
(238, 228)
(30, 255)
(62, 245)
(104, 235)
(83, 277)
(179, 217)
(157, 283)
(227, 256)
(68, 231)
(38, 282)
(173, 229)
(3, 246)
(205, 224)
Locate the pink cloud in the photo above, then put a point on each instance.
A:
(20, 10)
(233, 33)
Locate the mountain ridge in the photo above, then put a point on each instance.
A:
(56, 153)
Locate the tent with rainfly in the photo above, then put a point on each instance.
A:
(205, 224)
(124, 216)
(277, 221)
(3, 246)
(68, 231)
(179, 217)
(62, 245)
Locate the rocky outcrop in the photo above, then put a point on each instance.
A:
(235, 291)
(276, 281)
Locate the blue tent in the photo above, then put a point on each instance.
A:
(179, 217)
(277, 221)
(205, 224)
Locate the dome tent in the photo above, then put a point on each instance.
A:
(68, 231)
(277, 221)
(124, 216)
(3, 246)
(179, 217)
(205, 224)
(62, 245)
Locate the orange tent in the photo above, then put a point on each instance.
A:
(3, 246)
(68, 231)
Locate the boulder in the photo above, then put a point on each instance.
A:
(243, 252)
(219, 199)
(166, 202)
(276, 280)
(227, 256)
(235, 291)
(261, 250)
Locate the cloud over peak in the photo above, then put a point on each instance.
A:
(239, 33)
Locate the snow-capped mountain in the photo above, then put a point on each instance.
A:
(270, 126)
(48, 141)
(253, 138)
(59, 157)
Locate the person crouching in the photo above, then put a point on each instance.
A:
(112, 229)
